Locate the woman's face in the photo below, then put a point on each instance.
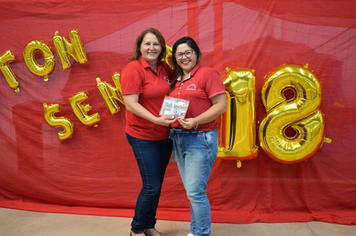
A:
(150, 48)
(186, 57)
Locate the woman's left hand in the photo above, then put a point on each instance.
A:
(188, 123)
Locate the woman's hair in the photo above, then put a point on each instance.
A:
(139, 40)
(177, 71)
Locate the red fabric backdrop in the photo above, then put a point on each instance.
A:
(94, 172)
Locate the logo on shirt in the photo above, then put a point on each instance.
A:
(166, 78)
(192, 87)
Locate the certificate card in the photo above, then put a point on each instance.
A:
(174, 107)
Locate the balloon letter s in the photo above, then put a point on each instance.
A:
(58, 121)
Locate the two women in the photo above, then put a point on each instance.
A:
(145, 82)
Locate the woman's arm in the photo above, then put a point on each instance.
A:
(132, 105)
(219, 107)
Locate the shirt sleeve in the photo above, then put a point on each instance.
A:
(214, 85)
(131, 79)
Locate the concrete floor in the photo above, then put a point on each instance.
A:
(27, 223)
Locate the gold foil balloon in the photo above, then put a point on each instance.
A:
(81, 111)
(6, 70)
(74, 49)
(168, 57)
(30, 60)
(110, 94)
(299, 114)
(54, 121)
(238, 123)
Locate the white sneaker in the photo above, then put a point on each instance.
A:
(190, 234)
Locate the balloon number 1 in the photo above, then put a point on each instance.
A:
(237, 133)
(293, 128)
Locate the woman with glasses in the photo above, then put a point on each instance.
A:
(145, 81)
(195, 139)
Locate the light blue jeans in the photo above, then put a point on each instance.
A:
(195, 153)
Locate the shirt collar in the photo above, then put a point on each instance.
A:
(146, 65)
(195, 69)
(191, 74)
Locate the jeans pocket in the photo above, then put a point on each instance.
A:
(208, 138)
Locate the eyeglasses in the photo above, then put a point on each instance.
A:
(187, 53)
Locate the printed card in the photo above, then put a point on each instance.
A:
(174, 107)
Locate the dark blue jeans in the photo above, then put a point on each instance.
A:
(152, 159)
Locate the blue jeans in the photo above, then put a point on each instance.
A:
(195, 153)
(152, 159)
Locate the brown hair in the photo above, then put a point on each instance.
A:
(177, 71)
(139, 40)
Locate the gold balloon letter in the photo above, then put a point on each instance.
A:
(168, 57)
(110, 94)
(58, 121)
(81, 111)
(9, 75)
(31, 63)
(74, 49)
(293, 129)
(238, 125)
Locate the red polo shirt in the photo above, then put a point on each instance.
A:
(204, 83)
(139, 78)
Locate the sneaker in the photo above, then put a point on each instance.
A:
(190, 234)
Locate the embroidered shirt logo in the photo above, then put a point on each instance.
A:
(166, 78)
(192, 87)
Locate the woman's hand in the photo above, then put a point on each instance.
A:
(132, 105)
(165, 120)
(189, 123)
